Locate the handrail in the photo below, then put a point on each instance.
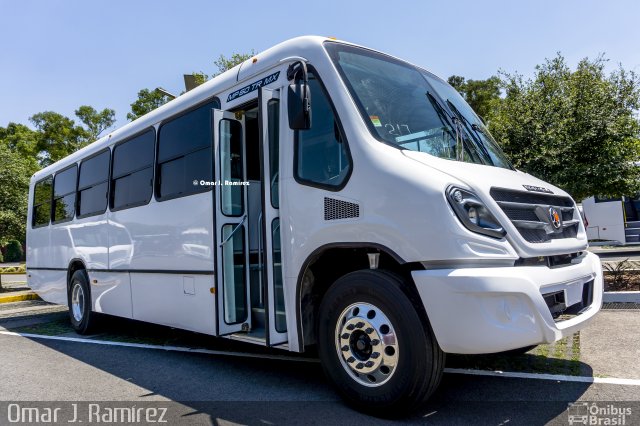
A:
(234, 230)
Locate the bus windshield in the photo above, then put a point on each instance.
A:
(413, 109)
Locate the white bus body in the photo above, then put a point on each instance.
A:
(364, 234)
(613, 219)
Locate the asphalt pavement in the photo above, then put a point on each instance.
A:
(202, 389)
(199, 388)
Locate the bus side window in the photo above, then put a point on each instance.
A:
(93, 183)
(322, 158)
(185, 154)
(42, 193)
(132, 172)
(64, 194)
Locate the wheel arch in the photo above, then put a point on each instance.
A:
(315, 278)
(74, 266)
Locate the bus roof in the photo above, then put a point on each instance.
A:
(298, 46)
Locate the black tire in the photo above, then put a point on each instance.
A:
(83, 319)
(419, 360)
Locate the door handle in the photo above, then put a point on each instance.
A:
(234, 230)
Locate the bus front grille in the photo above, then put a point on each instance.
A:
(531, 214)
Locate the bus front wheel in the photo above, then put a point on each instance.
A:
(79, 300)
(376, 348)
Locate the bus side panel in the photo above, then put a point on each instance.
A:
(38, 251)
(111, 293)
(169, 235)
(606, 219)
(51, 285)
(85, 239)
(182, 301)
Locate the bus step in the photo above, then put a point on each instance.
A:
(632, 231)
(632, 224)
(632, 238)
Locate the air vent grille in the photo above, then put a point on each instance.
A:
(338, 209)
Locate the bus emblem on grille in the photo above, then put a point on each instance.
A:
(554, 218)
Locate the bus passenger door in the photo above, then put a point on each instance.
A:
(275, 314)
(232, 254)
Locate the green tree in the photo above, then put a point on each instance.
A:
(21, 139)
(482, 95)
(14, 251)
(147, 101)
(223, 63)
(59, 136)
(95, 122)
(15, 172)
(576, 129)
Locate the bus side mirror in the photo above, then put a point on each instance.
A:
(299, 104)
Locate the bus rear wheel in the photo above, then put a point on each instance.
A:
(79, 300)
(375, 347)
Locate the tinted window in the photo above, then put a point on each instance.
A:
(42, 193)
(184, 153)
(94, 170)
(134, 154)
(178, 175)
(186, 133)
(273, 117)
(132, 174)
(64, 190)
(132, 189)
(93, 185)
(321, 154)
(231, 168)
(65, 182)
(92, 200)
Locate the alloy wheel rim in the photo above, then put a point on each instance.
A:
(367, 344)
(77, 302)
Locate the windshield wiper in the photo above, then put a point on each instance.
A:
(478, 144)
(451, 122)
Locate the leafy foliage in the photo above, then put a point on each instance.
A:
(58, 136)
(575, 129)
(148, 100)
(15, 172)
(482, 95)
(95, 122)
(223, 63)
(14, 252)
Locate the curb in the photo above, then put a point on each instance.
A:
(19, 297)
(621, 297)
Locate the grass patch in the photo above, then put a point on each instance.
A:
(54, 328)
(561, 357)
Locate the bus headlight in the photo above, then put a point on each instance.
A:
(473, 214)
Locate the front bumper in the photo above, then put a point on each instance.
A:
(486, 310)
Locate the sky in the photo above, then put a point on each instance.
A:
(56, 55)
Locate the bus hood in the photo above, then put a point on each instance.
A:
(482, 178)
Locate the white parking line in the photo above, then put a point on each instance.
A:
(541, 376)
(508, 374)
(158, 347)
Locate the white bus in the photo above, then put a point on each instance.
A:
(320, 193)
(613, 219)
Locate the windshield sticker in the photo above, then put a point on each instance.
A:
(375, 120)
(253, 86)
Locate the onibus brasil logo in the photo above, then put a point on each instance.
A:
(584, 413)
